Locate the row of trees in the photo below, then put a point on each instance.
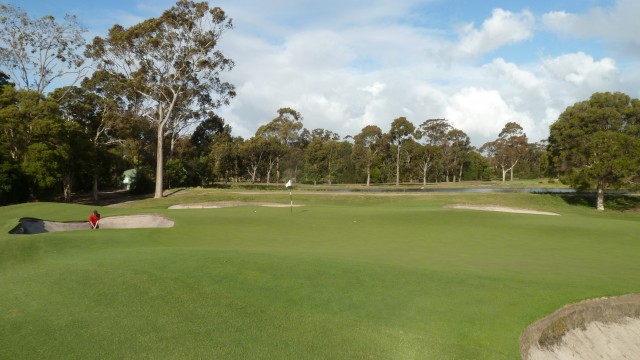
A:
(151, 84)
(282, 149)
(87, 138)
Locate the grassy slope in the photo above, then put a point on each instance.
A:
(347, 276)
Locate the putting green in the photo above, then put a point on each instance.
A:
(358, 277)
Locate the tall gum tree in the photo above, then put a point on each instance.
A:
(35, 52)
(401, 130)
(286, 129)
(510, 147)
(172, 62)
(596, 144)
(434, 134)
(367, 148)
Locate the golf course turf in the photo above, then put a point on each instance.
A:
(345, 276)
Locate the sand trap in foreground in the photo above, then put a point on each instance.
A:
(606, 328)
(224, 204)
(38, 226)
(501, 209)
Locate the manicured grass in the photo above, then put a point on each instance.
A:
(355, 276)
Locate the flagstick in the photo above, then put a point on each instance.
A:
(289, 185)
(291, 198)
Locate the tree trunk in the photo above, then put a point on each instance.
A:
(424, 175)
(172, 144)
(253, 172)
(504, 174)
(398, 166)
(368, 175)
(600, 201)
(66, 184)
(159, 163)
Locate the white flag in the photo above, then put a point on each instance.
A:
(288, 184)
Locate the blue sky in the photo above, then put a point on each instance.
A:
(351, 63)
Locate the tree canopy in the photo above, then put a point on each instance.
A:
(596, 143)
(35, 52)
(173, 62)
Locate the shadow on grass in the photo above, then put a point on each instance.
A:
(614, 202)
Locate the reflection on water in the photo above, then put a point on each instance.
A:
(474, 190)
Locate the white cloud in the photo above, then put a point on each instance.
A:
(482, 113)
(582, 70)
(503, 28)
(617, 25)
(348, 64)
(374, 89)
(511, 72)
(316, 51)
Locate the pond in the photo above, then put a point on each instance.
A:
(463, 190)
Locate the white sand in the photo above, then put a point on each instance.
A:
(224, 204)
(37, 226)
(501, 209)
(604, 328)
(597, 341)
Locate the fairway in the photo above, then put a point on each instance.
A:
(355, 276)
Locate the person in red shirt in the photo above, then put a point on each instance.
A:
(94, 219)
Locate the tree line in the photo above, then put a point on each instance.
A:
(145, 97)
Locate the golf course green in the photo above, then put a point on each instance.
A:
(343, 276)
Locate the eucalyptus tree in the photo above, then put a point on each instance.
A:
(190, 158)
(287, 129)
(367, 148)
(459, 146)
(401, 130)
(322, 155)
(508, 149)
(476, 166)
(433, 133)
(426, 154)
(224, 157)
(98, 111)
(15, 121)
(172, 62)
(33, 134)
(36, 52)
(535, 161)
(252, 152)
(596, 143)
(204, 134)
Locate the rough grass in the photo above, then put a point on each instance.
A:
(353, 276)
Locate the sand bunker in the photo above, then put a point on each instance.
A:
(501, 209)
(605, 328)
(38, 226)
(224, 204)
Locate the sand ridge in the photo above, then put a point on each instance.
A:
(501, 209)
(225, 204)
(38, 226)
(603, 328)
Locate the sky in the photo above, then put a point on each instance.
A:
(346, 64)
